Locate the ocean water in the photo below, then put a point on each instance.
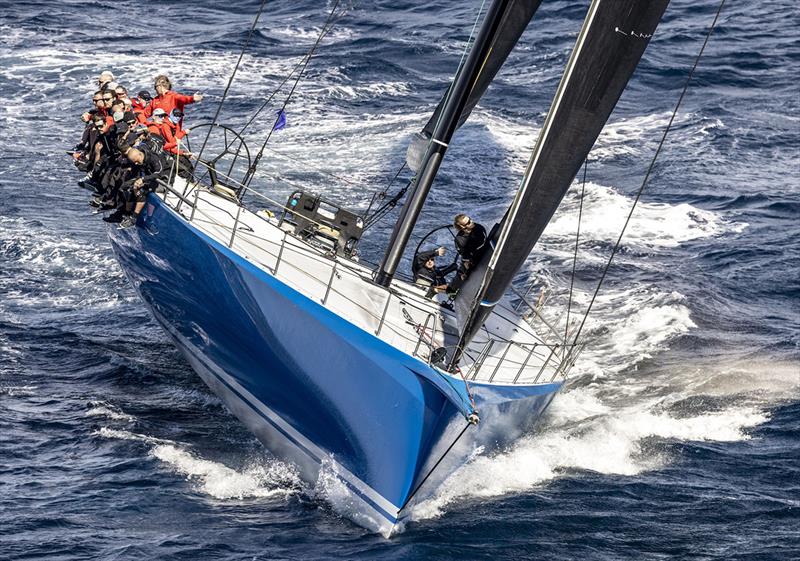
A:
(677, 434)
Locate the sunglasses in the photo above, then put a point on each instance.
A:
(108, 99)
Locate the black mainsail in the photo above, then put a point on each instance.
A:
(504, 23)
(612, 40)
(517, 15)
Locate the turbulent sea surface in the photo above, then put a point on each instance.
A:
(677, 436)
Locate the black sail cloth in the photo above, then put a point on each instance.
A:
(613, 38)
(514, 21)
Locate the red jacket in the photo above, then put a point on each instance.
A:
(154, 128)
(139, 109)
(177, 130)
(165, 130)
(168, 101)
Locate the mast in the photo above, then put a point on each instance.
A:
(437, 146)
(515, 19)
(612, 40)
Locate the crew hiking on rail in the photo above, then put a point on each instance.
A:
(129, 143)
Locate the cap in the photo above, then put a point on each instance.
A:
(145, 95)
(160, 112)
(105, 76)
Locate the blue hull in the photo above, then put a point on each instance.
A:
(315, 389)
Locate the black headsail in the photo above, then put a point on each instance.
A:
(504, 23)
(515, 19)
(609, 47)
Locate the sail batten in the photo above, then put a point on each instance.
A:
(612, 40)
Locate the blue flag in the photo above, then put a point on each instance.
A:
(280, 122)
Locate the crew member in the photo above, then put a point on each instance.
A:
(168, 100)
(149, 167)
(427, 273)
(105, 77)
(140, 104)
(470, 245)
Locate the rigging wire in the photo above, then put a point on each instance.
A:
(649, 170)
(328, 22)
(297, 66)
(372, 218)
(577, 240)
(424, 479)
(233, 74)
(464, 54)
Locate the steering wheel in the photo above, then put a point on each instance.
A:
(450, 229)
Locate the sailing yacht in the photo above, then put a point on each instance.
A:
(348, 370)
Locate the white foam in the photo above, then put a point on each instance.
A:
(105, 409)
(331, 489)
(84, 271)
(261, 479)
(628, 136)
(652, 224)
(606, 440)
(628, 326)
(119, 434)
(18, 391)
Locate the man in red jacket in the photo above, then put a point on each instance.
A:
(161, 126)
(140, 104)
(167, 99)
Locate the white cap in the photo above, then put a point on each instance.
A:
(105, 76)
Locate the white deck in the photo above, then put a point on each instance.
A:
(346, 288)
